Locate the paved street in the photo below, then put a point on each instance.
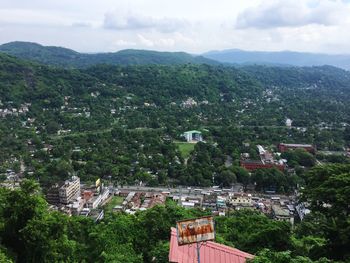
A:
(180, 190)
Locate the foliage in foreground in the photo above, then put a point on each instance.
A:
(29, 232)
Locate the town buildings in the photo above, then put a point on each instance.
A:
(282, 214)
(91, 199)
(70, 198)
(252, 165)
(267, 160)
(240, 200)
(283, 147)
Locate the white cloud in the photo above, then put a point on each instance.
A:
(123, 43)
(175, 41)
(145, 41)
(194, 26)
(132, 21)
(81, 24)
(31, 17)
(293, 13)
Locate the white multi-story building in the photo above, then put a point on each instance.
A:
(193, 136)
(289, 122)
(70, 190)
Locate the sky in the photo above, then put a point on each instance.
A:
(193, 26)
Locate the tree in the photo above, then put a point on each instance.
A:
(327, 190)
(268, 256)
(226, 178)
(52, 127)
(160, 253)
(299, 156)
(20, 207)
(272, 179)
(4, 258)
(251, 231)
(242, 175)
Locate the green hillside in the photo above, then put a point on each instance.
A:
(120, 108)
(68, 58)
(123, 124)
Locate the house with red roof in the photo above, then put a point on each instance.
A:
(210, 252)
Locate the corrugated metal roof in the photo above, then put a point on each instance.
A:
(296, 145)
(210, 252)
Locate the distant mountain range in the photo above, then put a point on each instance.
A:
(68, 58)
(280, 58)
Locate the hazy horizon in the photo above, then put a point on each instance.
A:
(207, 51)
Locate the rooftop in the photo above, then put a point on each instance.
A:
(279, 211)
(209, 252)
(296, 145)
(194, 131)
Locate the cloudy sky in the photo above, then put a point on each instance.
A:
(194, 26)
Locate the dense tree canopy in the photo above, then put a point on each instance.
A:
(328, 192)
(124, 124)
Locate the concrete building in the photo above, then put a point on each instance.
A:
(193, 136)
(70, 190)
(241, 200)
(189, 103)
(221, 201)
(302, 210)
(152, 199)
(289, 123)
(252, 165)
(282, 214)
(209, 201)
(52, 196)
(267, 160)
(76, 206)
(188, 204)
(283, 147)
(104, 193)
(96, 200)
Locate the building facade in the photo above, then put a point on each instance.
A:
(70, 190)
(252, 165)
(193, 136)
(283, 147)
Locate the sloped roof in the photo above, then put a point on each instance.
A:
(194, 131)
(210, 252)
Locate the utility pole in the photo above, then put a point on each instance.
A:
(198, 253)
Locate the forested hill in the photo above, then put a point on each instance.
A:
(24, 81)
(68, 58)
(123, 124)
(284, 58)
(254, 95)
(300, 77)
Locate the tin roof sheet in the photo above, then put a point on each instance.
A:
(210, 252)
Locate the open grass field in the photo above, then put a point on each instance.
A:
(185, 148)
(116, 200)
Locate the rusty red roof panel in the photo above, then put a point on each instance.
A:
(210, 252)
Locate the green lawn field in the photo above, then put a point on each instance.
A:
(185, 148)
